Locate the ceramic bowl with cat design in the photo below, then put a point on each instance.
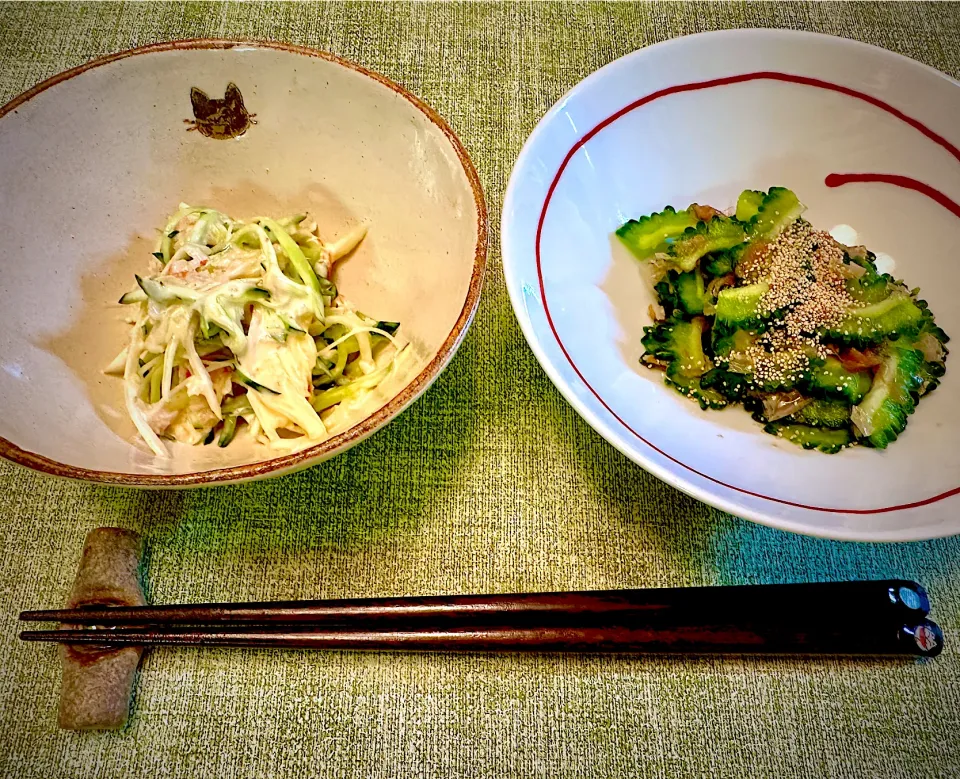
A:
(93, 161)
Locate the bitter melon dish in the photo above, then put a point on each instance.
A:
(763, 309)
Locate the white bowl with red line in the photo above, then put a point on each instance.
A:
(869, 140)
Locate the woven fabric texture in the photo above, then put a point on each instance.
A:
(490, 482)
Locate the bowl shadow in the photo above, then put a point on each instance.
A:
(338, 528)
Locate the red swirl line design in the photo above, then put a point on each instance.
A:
(904, 182)
(833, 180)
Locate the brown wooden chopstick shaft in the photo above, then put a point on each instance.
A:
(843, 638)
(864, 601)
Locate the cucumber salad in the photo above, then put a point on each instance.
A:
(239, 331)
(762, 308)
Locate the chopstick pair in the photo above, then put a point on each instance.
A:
(887, 617)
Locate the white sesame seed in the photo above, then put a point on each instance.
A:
(806, 286)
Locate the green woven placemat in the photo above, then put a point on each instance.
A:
(490, 482)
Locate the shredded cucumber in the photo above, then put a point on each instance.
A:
(243, 325)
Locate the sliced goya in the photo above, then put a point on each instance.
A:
(870, 288)
(691, 293)
(733, 386)
(882, 414)
(718, 264)
(719, 234)
(749, 203)
(896, 315)
(824, 413)
(831, 380)
(678, 345)
(707, 396)
(822, 439)
(647, 235)
(779, 209)
(740, 306)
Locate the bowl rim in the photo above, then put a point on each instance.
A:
(369, 424)
(691, 484)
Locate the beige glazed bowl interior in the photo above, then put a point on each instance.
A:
(93, 161)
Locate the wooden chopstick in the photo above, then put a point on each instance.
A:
(894, 600)
(873, 617)
(840, 638)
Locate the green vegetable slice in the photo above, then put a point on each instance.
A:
(241, 377)
(824, 413)
(748, 204)
(882, 415)
(294, 254)
(830, 379)
(740, 306)
(649, 234)
(822, 439)
(896, 315)
(691, 293)
(779, 209)
(718, 234)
